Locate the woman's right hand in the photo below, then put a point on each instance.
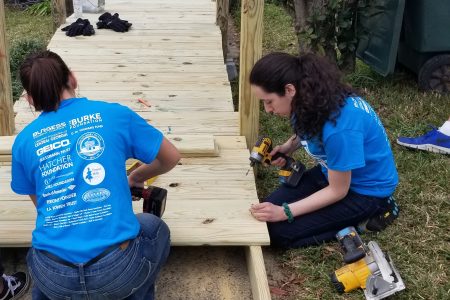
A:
(287, 148)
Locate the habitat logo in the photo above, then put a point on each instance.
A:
(96, 195)
(90, 146)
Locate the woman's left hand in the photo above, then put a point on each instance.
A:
(268, 212)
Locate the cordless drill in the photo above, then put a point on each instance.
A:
(154, 199)
(292, 171)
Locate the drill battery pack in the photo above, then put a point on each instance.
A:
(154, 199)
(291, 173)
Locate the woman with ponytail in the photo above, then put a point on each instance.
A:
(355, 176)
(87, 242)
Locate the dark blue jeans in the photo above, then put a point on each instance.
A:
(121, 274)
(321, 225)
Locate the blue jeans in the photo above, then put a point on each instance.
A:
(321, 225)
(121, 274)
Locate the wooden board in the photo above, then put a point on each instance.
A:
(187, 145)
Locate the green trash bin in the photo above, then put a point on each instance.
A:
(414, 33)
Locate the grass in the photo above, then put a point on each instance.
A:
(418, 241)
(25, 33)
(20, 25)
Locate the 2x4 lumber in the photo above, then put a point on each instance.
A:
(257, 273)
(250, 51)
(6, 102)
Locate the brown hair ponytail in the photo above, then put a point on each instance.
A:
(44, 77)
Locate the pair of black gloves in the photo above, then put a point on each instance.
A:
(113, 22)
(106, 21)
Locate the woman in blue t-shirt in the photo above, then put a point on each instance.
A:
(355, 175)
(87, 242)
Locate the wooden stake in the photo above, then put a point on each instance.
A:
(6, 101)
(59, 13)
(251, 50)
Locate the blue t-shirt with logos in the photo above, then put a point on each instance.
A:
(73, 160)
(357, 143)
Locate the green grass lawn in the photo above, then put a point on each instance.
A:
(419, 240)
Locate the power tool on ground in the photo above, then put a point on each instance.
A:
(367, 268)
(290, 174)
(154, 197)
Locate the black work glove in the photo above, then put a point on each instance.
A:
(113, 22)
(79, 27)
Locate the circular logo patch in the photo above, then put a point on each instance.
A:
(90, 146)
(94, 173)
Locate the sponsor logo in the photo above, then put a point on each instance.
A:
(62, 198)
(94, 173)
(85, 120)
(54, 165)
(48, 129)
(53, 146)
(90, 146)
(50, 185)
(96, 195)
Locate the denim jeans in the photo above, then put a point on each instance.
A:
(321, 225)
(121, 274)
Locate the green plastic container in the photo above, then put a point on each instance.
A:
(414, 33)
(379, 33)
(427, 25)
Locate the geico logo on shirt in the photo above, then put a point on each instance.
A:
(53, 146)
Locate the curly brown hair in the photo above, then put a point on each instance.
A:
(320, 92)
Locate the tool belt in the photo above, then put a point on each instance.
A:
(55, 258)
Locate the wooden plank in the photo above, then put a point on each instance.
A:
(181, 175)
(159, 101)
(155, 78)
(151, 70)
(135, 45)
(146, 51)
(140, 37)
(217, 123)
(257, 273)
(188, 145)
(6, 143)
(192, 223)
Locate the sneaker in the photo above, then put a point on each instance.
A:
(433, 141)
(383, 220)
(15, 286)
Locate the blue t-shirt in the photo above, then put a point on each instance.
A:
(73, 160)
(358, 142)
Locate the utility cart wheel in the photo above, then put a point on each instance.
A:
(435, 74)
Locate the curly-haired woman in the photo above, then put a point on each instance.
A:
(355, 177)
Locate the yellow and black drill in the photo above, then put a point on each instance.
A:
(290, 174)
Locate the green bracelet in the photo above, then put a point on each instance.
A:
(288, 212)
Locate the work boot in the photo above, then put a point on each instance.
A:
(14, 286)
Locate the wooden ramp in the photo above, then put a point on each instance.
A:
(168, 68)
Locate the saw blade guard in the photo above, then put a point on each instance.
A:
(387, 280)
